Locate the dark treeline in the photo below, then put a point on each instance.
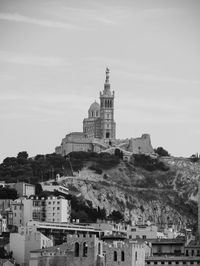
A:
(44, 167)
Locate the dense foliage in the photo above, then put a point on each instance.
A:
(45, 167)
(161, 151)
(100, 160)
(33, 170)
(148, 163)
(8, 193)
(194, 158)
(116, 216)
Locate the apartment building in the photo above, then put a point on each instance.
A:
(51, 209)
(58, 210)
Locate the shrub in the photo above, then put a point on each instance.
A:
(148, 163)
(161, 151)
(96, 169)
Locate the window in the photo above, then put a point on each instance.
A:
(122, 256)
(177, 262)
(136, 256)
(198, 252)
(162, 262)
(148, 262)
(192, 252)
(144, 237)
(184, 262)
(85, 249)
(187, 254)
(115, 256)
(99, 248)
(58, 208)
(76, 250)
(169, 262)
(49, 202)
(155, 262)
(191, 262)
(107, 115)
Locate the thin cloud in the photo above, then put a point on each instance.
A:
(106, 21)
(10, 57)
(156, 77)
(36, 21)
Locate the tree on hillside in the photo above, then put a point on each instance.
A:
(22, 155)
(116, 216)
(161, 151)
(38, 189)
(8, 193)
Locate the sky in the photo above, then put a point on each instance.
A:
(53, 56)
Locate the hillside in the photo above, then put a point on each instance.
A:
(163, 197)
(162, 190)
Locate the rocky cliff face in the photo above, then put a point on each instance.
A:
(163, 197)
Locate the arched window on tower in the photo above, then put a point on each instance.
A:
(136, 256)
(115, 256)
(85, 249)
(76, 249)
(111, 104)
(99, 248)
(97, 113)
(122, 256)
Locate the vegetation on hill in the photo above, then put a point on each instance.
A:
(161, 189)
(100, 161)
(8, 193)
(148, 163)
(33, 170)
(161, 151)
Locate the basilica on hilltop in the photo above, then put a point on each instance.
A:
(99, 130)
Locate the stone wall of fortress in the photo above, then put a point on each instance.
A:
(75, 142)
(141, 145)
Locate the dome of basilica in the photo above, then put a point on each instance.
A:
(94, 110)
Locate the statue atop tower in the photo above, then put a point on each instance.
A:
(107, 75)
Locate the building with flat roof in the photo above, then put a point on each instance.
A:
(24, 189)
(26, 240)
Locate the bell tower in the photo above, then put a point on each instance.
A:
(107, 110)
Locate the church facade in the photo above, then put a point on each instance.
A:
(99, 130)
(100, 122)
